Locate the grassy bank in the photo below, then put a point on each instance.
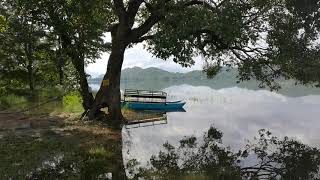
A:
(41, 101)
(41, 137)
(57, 147)
(53, 101)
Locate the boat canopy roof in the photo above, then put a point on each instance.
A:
(144, 94)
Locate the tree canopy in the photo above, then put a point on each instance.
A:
(264, 39)
(49, 42)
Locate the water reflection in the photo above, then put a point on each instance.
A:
(273, 158)
(146, 118)
(207, 157)
(104, 161)
(156, 118)
(238, 113)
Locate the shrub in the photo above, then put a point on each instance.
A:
(72, 103)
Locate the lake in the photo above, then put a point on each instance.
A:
(239, 113)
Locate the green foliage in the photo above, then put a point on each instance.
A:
(3, 24)
(212, 71)
(81, 22)
(72, 102)
(266, 40)
(12, 101)
(50, 42)
(26, 51)
(3, 91)
(41, 101)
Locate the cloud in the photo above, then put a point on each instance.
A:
(138, 56)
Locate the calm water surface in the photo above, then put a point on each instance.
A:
(238, 113)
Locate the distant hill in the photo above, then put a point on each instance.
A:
(156, 74)
(157, 79)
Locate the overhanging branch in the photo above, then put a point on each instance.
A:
(203, 3)
(133, 7)
(146, 26)
(143, 38)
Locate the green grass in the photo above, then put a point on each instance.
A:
(41, 101)
(72, 103)
(100, 151)
(12, 101)
(44, 153)
(37, 103)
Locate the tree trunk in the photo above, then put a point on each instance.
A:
(86, 94)
(30, 74)
(60, 70)
(29, 57)
(60, 63)
(77, 60)
(109, 92)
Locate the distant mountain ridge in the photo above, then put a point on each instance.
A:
(138, 73)
(158, 79)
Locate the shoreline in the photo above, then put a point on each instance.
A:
(28, 143)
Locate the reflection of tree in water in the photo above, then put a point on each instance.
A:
(271, 158)
(95, 163)
(209, 159)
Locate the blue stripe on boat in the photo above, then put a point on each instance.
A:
(155, 105)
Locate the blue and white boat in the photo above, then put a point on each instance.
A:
(150, 100)
(155, 105)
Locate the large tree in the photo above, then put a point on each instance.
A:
(79, 26)
(265, 39)
(24, 46)
(55, 33)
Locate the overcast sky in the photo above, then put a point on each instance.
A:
(137, 56)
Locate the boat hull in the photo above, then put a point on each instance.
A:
(155, 105)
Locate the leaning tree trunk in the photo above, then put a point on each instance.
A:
(77, 60)
(109, 92)
(87, 96)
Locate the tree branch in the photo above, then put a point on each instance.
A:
(214, 38)
(120, 10)
(133, 7)
(143, 38)
(146, 26)
(203, 3)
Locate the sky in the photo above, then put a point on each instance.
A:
(139, 57)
